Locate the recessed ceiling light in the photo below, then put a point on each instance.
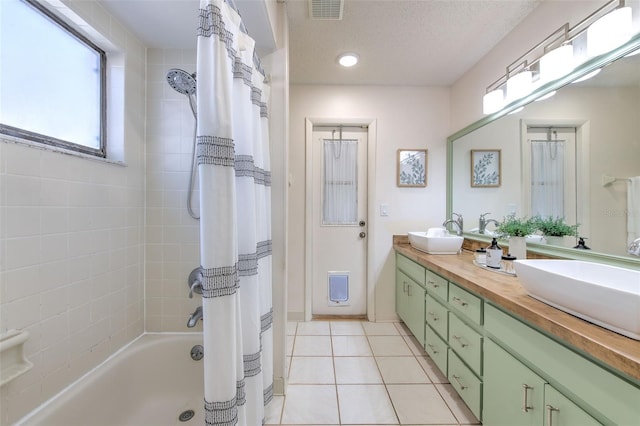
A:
(348, 59)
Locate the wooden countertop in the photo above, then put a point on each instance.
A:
(615, 350)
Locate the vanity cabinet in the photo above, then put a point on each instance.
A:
(410, 295)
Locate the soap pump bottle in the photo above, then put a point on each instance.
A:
(494, 255)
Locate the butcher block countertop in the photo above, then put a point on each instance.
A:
(618, 352)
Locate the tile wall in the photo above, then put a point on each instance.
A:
(72, 244)
(172, 250)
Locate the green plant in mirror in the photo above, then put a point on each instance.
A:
(555, 227)
(512, 226)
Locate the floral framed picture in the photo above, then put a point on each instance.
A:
(412, 167)
(486, 168)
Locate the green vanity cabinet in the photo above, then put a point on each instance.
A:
(576, 391)
(410, 296)
(513, 394)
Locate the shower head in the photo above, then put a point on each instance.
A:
(182, 81)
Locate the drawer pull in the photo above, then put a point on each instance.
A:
(433, 315)
(457, 379)
(459, 339)
(433, 348)
(459, 301)
(433, 284)
(525, 389)
(409, 290)
(550, 411)
(404, 286)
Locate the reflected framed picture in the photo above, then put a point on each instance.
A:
(486, 168)
(412, 168)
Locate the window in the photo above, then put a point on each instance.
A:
(52, 80)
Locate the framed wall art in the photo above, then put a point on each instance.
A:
(412, 168)
(486, 168)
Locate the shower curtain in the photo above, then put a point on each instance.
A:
(547, 178)
(235, 231)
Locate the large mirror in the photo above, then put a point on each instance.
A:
(567, 156)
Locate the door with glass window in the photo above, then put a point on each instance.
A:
(339, 218)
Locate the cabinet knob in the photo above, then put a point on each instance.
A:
(457, 379)
(459, 340)
(459, 301)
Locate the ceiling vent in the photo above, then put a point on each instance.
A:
(326, 9)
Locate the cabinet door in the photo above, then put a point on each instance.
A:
(513, 394)
(560, 411)
(415, 310)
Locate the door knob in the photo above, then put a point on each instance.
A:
(362, 223)
(363, 234)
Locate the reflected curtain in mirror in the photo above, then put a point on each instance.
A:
(547, 178)
(340, 189)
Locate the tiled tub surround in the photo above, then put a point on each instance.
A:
(596, 367)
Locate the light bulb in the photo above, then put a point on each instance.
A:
(493, 101)
(609, 32)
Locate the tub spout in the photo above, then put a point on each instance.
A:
(195, 316)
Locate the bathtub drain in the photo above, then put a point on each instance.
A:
(197, 352)
(187, 415)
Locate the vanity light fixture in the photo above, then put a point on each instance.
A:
(606, 29)
(610, 31)
(348, 59)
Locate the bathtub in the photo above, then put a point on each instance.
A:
(152, 381)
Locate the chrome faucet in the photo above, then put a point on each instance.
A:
(458, 222)
(482, 223)
(195, 316)
(634, 247)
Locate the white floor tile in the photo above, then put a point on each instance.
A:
(356, 370)
(432, 370)
(402, 328)
(365, 404)
(351, 346)
(346, 328)
(313, 328)
(401, 369)
(420, 404)
(389, 346)
(457, 405)
(273, 411)
(312, 346)
(380, 329)
(311, 370)
(310, 405)
(414, 345)
(292, 327)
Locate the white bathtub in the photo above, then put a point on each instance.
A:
(150, 382)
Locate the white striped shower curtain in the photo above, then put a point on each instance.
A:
(235, 221)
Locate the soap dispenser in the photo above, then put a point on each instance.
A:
(494, 255)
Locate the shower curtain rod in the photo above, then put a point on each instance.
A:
(243, 28)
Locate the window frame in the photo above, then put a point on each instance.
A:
(20, 133)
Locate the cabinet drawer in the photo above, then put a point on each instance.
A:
(411, 268)
(436, 285)
(468, 386)
(466, 303)
(437, 316)
(466, 342)
(436, 348)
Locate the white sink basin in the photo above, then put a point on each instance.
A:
(441, 244)
(605, 295)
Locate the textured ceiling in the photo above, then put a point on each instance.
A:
(418, 42)
(400, 42)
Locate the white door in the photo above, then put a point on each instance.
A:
(339, 217)
(550, 171)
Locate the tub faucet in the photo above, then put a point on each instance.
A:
(634, 247)
(458, 222)
(195, 316)
(482, 223)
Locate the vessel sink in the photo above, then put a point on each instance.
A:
(608, 296)
(444, 243)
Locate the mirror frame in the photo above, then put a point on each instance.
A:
(542, 249)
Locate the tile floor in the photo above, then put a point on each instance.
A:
(362, 373)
